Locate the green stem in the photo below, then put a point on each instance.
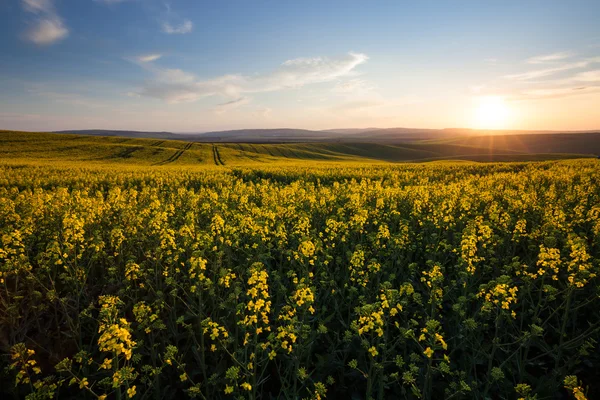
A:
(491, 358)
(562, 330)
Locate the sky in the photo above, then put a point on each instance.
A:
(199, 65)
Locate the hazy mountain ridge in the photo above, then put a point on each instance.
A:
(291, 135)
(124, 133)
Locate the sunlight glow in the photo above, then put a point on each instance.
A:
(491, 112)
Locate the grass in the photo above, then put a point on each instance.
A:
(52, 147)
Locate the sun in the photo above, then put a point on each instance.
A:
(491, 112)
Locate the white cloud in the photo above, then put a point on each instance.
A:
(48, 27)
(304, 71)
(176, 86)
(38, 6)
(588, 76)
(558, 92)
(548, 83)
(577, 84)
(548, 58)
(230, 105)
(172, 23)
(47, 31)
(185, 27)
(541, 73)
(148, 57)
(352, 86)
(168, 24)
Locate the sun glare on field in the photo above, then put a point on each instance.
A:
(491, 112)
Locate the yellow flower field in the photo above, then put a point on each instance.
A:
(363, 281)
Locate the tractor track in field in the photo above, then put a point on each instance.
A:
(176, 155)
(217, 156)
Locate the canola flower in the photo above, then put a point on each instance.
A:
(501, 295)
(23, 362)
(214, 330)
(131, 391)
(429, 280)
(259, 305)
(571, 383)
(115, 333)
(226, 279)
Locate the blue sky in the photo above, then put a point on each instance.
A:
(195, 65)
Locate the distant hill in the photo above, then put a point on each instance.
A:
(585, 142)
(241, 135)
(253, 135)
(351, 131)
(37, 147)
(131, 134)
(401, 134)
(288, 135)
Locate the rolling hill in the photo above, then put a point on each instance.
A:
(585, 142)
(92, 149)
(286, 135)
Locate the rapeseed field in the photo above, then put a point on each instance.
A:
(310, 281)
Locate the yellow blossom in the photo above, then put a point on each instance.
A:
(428, 352)
(131, 392)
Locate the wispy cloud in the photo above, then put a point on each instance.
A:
(552, 93)
(148, 57)
(110, 1)
(541, 73)
(38, 6)
(47, 31)
(548, 83)
(588, 76)
(352, 86)
(169, 21)
(48, 27)
(229, 105)
(548, 58)
(185, 27)
(303, 71)
(553, 64)
(173, 24)
(176, 86)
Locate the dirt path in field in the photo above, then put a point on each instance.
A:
(217, 156)
(176, 155)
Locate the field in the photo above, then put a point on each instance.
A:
(35, 147)
(150, 269)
